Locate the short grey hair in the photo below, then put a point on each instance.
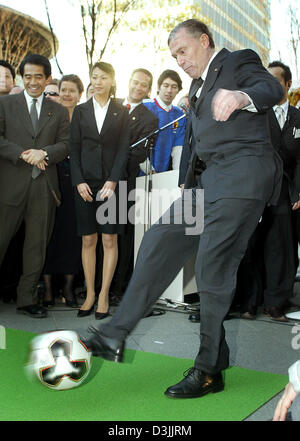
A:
(194, 27)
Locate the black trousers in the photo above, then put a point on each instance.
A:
(38, 212)
(165, 248)
(272, 251)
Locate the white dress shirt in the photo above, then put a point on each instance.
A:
(132, 105)
(39, 102)
(284, 107)
(100, 113)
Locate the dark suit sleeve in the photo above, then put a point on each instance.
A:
(296, 179)
(139, 153)
(186, 152)
(8, 150)
(118, 171)
(60, 149)
(252, 78)
(75, 149)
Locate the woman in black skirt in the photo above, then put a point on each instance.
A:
(63, 252)
(99, 146)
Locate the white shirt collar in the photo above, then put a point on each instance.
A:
(284, 106)
(30, 98)
(163, 105)
(99, 107)
(132, 105)
(204, 75)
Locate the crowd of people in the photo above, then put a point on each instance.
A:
(62, 162)
(97, 138)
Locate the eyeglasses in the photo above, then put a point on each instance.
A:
(51, 93)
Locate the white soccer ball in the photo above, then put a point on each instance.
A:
(58, 359)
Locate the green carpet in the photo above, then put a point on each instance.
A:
(132, 391)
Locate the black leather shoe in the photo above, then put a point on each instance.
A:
(47, 303)
(34, 311)
(195, 317)
(196, 384)
(276, 313)
(108, 348)
(101, 315)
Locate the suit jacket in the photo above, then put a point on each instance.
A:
(240, 160)
(17, 135)
(96, 158)
(287, 144)
(142, 122)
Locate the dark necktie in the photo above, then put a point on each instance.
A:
(34, 119)
(196, 86)
(34, 115)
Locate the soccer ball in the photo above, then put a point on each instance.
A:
(58, 359)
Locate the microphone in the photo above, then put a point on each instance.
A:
(183, 107)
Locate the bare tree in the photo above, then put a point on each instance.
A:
(295, 34)
(100, 19)
(53, 37)
(18, 37)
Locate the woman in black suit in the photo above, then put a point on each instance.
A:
(99, 145)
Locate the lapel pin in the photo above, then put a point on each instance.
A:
(133, 118)
(216, 69)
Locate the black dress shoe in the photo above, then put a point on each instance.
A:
(196, 384)
(101, 315)
(276, 313)
(34, 311)
(47, 303)
(195, 317)
(108, 348)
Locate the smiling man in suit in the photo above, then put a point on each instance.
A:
(34, 136)
(142, 122)
(229, 97)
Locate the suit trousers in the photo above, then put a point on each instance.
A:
(165, 248)
(279, 252)
(38, 212)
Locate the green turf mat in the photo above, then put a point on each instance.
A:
(131, 391)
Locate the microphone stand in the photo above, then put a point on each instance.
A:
(149, 139)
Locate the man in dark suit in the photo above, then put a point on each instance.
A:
(142, 122)
(275, 233)
(34, 135)
(11, 268)
(229, 96)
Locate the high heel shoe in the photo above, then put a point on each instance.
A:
(101, 315)
(71, 302)
(85, 312)
(47, 303)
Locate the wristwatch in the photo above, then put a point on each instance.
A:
(46, 157)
